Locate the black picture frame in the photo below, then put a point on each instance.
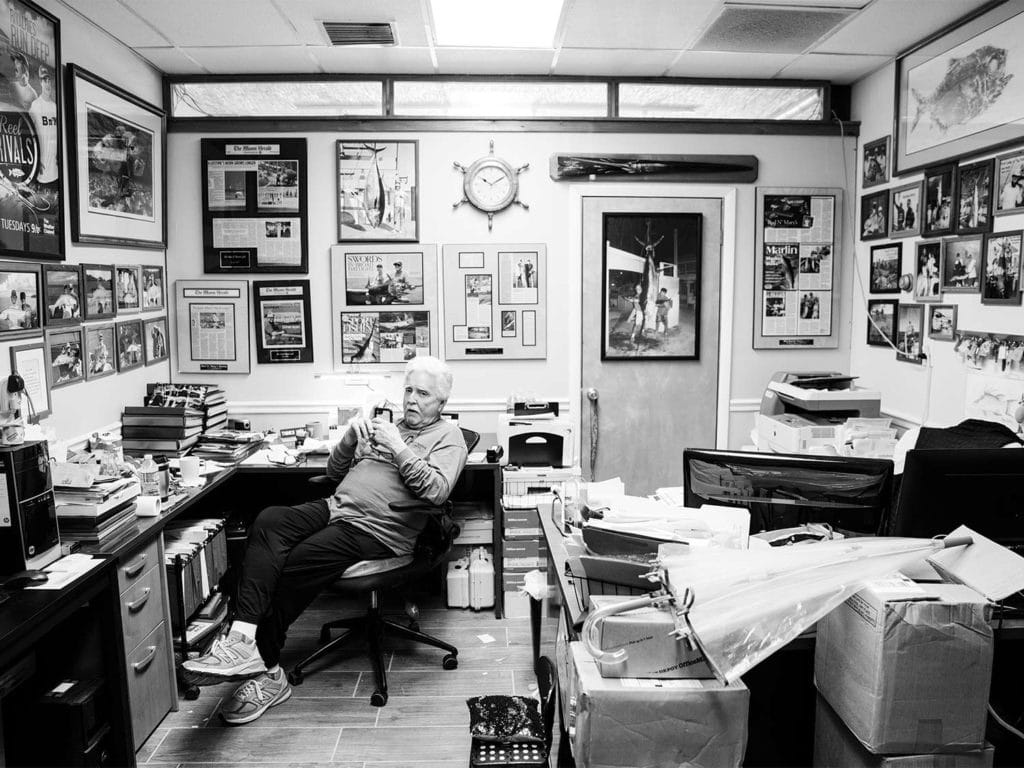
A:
(1001, 268)
(98, 286)
(965, 276)
(100, 356)
(62, 291)
(905, 204)
(64, 354)
(284, 325)
(152, 288)
(910, 333)
(875, 163)
(874, 215)
(928, 271)
(395, 188)
(974, 198)
(156, 342)
(21, 296)
(883, 312)
(128, 288)
(1010, 183)
(32, 205)
(118, 160)
(942, 322)
(883, 277)
(130, 348)
(31, 362)
(939, 201)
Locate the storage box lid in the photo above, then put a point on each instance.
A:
(984, 566)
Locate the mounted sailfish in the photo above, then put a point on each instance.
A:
(374, 197)
(648, 285)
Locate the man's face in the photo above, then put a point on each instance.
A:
(422, 401)
(47, 86)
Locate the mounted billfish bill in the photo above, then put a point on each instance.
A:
(625, 167)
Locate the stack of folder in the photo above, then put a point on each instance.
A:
(98, 514)
(227, 445)
(170, 431)
(196, 557)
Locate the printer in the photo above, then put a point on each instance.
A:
(535, 441)
(801, 412)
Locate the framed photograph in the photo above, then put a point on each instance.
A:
(20, 291)
(100, 351)
(284, 327)
(909, 332)
(127, 290)
(154, 339)
(939, 201)
(31, 196)
(212, 326)
(64, 355)
(905, 210)
(98, 282)
(62, 287)
(381, 338)
(876, 162)
(942, 322)
(974, 198)
(1000, 283)
(957, 92)
(1010, 178)
(874, 215)
(152, 288)
(382, 277)
(881, 332)
(927, 282)
(886, 268)
(508, 323)
(129, 344)
(31, 363)
(117, 160)
(377, 191)
(961, 264)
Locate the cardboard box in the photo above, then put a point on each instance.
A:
(907, 666)
(513, 579)
(516, 605)
(523, 548)
(521, 518)
(836, 747)
(624, 723)
(525, 563)
(651, 651)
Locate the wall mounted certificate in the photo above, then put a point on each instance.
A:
(796, 272)
(255, 205)
(213, 326)
(284, 330)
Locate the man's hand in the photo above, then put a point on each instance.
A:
(359, 428)
(386, 436)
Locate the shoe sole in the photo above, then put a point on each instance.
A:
(203, 679)
(259, 712)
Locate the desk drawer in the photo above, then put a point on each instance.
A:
(150, 695)
(132, 568)
(141, 608)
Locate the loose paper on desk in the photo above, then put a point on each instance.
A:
(597, 494)
(986, 567)
(66, 570)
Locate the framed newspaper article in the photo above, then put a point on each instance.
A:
(212, 326)
(796, 275)
(284, 328)
(255, 205)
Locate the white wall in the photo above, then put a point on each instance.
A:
(86, 406)
(286, 394)
(905, 386)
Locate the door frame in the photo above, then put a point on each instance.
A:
(727, 196)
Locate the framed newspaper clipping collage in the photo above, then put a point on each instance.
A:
(213, 326)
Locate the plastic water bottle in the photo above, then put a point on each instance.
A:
(149, 476)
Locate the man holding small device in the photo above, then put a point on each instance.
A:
(292, 553)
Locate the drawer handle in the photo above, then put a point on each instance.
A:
(141, 666)
(136, 605)
(131, 571)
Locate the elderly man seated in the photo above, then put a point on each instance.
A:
(292, 553)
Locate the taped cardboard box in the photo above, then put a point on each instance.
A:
(907, 667)
(651, 652)
(624, 723)
(836, 747)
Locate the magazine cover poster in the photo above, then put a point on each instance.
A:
(30, 172)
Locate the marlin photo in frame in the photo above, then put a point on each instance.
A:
(377, 191)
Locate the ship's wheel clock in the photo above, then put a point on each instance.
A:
(490, 185)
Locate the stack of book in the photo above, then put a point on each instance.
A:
(98, 514)
(208, 398)
(227, 445)
(169, 431)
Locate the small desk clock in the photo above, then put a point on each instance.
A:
(490, 185)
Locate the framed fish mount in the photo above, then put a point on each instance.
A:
(255, 205)
(957, 92)
(378, 187)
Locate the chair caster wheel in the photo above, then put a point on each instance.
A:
(451, 661)
(325, 636)
(192, 692)
(378, 699)
(295, 677)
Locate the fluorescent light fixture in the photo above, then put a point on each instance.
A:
(496, 23)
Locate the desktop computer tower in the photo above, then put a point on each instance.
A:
(28, 517)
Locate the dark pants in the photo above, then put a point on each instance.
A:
(292, 553)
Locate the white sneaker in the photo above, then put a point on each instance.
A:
(256, 696)
(234, 657)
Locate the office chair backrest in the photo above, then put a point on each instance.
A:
(471, 437)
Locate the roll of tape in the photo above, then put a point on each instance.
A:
(147, 506)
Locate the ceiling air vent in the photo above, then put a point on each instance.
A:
(350, 33)
(753, 28)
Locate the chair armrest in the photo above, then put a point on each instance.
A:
(418, 505)
(322, 480)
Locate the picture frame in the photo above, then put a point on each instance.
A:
(156, 342)
(30, 362)
(1001, 271)
(100, 351)
(32, 207)
(961, 264)
(117, 159)
(927, 271)
(62, 291)
(874, 215)
(883, 312)
(1010, 183)
(875, 162)
(939, 201)
(98, 285)
(20, 300)
(974, 198)
(905, 210)
(64, 356)
(378, 191)
(942, 322)
(127, 290)
(212, 326)
(283, 316)
(129, 344)
(885, 269)
(930, 127)
(909, 333)
(384, 276)
(152, 288)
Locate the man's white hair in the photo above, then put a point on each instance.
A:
(437, 368)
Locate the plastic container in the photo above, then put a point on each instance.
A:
(481, 580)
(163, 468)
(149, 476)
(458, 583)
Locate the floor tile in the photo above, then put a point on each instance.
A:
(247, 745)
(440, 744)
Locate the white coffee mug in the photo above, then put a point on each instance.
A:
(315, 429)
(190, 469)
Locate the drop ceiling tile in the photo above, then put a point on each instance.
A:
(494, 61)
(171, 61)
(370, 60)
(834, 67)
(286, 59)
(650, 24)
(112, 16)
(306, 15)
(611, 63)
(720, 64)
(192, 23)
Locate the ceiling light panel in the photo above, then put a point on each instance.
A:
(495, 24)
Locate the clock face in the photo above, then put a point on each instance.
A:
(490, 185)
